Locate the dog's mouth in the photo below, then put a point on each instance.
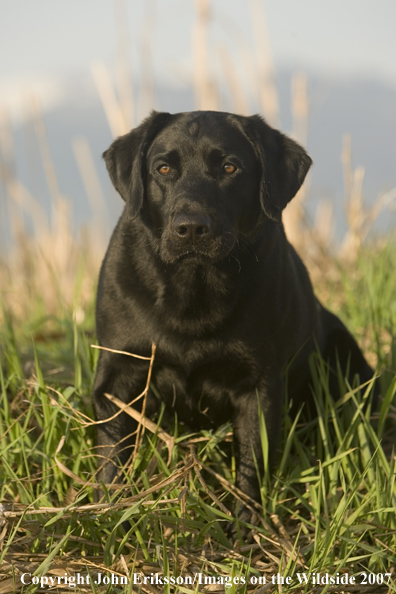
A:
(211, 251)
(195, 256)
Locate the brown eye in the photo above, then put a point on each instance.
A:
(164, 169)
(229, 168)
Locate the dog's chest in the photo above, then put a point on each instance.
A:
(202, 383)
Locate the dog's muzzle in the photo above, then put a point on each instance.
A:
(195, 236)
(191, 229)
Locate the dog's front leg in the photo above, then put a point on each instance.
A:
(247, 434)
(118, 376)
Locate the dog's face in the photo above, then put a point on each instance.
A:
(201, 187)
(204, 182)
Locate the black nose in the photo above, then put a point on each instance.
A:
(191, 228)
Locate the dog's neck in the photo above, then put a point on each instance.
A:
(204, 294)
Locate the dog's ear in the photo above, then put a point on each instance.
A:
(125, 161)
(284, 165)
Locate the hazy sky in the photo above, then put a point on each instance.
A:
(48, 46)
(49, 40)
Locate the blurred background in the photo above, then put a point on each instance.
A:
(74, 75)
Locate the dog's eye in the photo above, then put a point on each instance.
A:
(229, 168)
(164, 169)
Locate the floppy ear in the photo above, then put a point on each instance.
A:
(284, 165)
(125, 161)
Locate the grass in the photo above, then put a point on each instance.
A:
(329, 508)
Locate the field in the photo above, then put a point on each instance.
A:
(329, 508)
(327, 518)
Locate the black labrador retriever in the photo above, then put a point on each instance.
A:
(199, 264)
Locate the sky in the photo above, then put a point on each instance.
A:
(45, 42)
(347, 48)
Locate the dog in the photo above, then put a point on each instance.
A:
(199, 264)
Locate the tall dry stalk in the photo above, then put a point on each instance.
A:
(12, 221)
(112, 108)
(61, 208)
(360, 218)
(355, 212)
(123, 65)
(146, 91)
(293, 216)
(265, 65)
(40, 273)
(324, 225)
(238, 95)
(206, 95)
(117, 96)
(92, 186)
(300, 107)
(21, 202)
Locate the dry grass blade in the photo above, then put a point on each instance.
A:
(323, 230)
(286, 540)
(8, 586)
(141, 427)
(123, 67)
(208, 491)
(300, 107)
(83, 418)
(293, 216)
(45, 152)
(18, 510)
(111, 106)
(355, 211)
(266, 71)
(360, 218)
(18, 193)
(143, 422)
(146, 96)
(163, 435)
(96, 346)
(71, 474)
(115, 400)
(241, 104)
(92, 186)
(204, 86)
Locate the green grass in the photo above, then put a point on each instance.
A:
(330, 507)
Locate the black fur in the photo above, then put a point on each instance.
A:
(199, 264)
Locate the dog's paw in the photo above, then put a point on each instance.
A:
(240, 530)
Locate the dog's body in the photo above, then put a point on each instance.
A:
(199, 265)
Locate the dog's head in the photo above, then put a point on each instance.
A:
(205, 181)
